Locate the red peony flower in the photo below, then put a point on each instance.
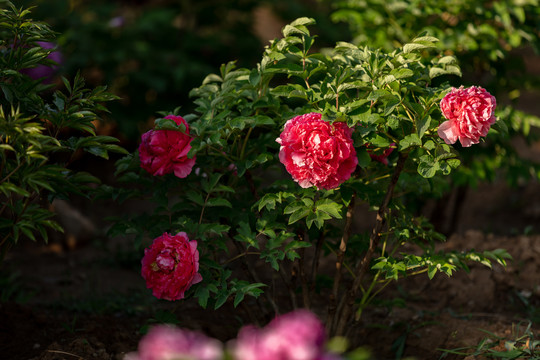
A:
(165, 151)
(317, 153)
(470, 115)
(170, 266)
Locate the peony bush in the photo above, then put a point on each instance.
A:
(267, 173)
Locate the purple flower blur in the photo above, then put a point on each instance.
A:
(45, 72)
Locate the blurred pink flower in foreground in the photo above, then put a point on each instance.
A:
(170, 266)
(45, 72)
(165, 151)
(298, 335)
(316, 152)
(164, 342)
(470, 114)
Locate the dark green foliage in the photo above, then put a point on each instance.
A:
(40, 132)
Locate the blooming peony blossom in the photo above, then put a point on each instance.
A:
(165, 151)
(470, 115)
(298, 335)
(317, 153)
(165, 342)
(170, 266)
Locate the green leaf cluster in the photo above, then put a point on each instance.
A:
(41, 133)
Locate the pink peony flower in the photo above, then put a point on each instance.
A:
(470, 115)
(165, 151)
(298, 335)
(170, 266)
(165, 342)
(317, 153)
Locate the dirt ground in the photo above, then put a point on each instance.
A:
(87, 300)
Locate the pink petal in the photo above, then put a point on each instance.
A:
(448, 132)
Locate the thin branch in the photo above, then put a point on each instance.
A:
(240, 255)
(346, 305)
(303, 279)
(290, 288)
(332, 307)
(247, 267)
(316, 259)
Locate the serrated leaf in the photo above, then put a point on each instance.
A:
(195, 197)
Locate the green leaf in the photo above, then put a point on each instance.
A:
(219, 202)
(330, 207)
(238, 298)
(202, 294)
(402, 73)
(376, 94)
(98, 151)
(408, 141)
(432, 270)
(268, 201)
(195, 197)
(445, 60)
(298, 215)
(363, 157)
(221, 299)
(427, 166)
(7, 187)
(379, 141)
(422, 125)
(417, 45)
(305, 21)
